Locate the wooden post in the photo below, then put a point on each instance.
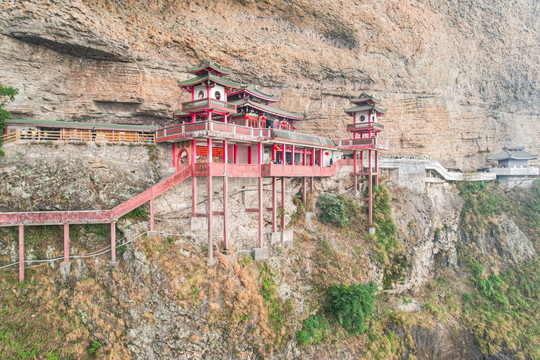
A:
(311, 184)
(304, 190)
(274, 204)
(193, 178)
(225, 196)
(370, 172)
(260, 211)
(66, 242)
(174, 156)
(113, 242)
(283, 157)
(21, 253)
(292, 155)
(376, 169)
(152, 212)
(355, 170)
(209, 209)
(225, 213)
(235, 154)
(283, 225)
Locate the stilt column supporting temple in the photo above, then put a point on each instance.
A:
(66, 242)
(21, 252)
(113, 242)
(370, 172)
(260, 212)
(225, 197)
(209, 210)
(274, 204)
(304, 190)
(193, 178)
(152, 213)
(355, 170)
(283, 226)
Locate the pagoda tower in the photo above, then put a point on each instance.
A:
(209, 91)
(366, 129)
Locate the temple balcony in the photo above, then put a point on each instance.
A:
(210, 105)
(373, 126)
(211, 129)
(361, 144)
(516, 171)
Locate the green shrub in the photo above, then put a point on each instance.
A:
(352, 305)
(333, 210)
(313, 330)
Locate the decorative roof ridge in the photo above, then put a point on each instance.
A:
(363, 107)
(254, 91)
(204, 63)
(269, 108)
(208, 76)
(364, 97)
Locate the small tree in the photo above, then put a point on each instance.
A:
(6, 94)
(333, 210)
(352, 305)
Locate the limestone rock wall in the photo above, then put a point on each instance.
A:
(459, 78)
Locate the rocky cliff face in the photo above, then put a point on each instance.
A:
(459, 78)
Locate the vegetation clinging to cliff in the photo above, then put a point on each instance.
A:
(390, 251)
(6, 94)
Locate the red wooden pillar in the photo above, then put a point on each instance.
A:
(376, 168)
(193, 178)
(174, 156)
(370, 172)
(274, 204)
(292, 155)
(152, 212)
(113, 242)
(209, 209)
(260, 157)
(193, 118)
(225, 196)
(361, 161)
(355, 170)
(304, 157)
(21, 252)
(235, 154)
(320, 158)
(311, 184)
(283, 157)
(304, 189)
(312, 157)
(283, 226)
(249, 154)
(66, 242)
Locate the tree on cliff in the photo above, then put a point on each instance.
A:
(6, 94)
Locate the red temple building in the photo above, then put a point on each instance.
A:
(249, 137)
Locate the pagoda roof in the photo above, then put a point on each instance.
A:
(210, 77)
(205, 64)
(77, 124)
(257, 93)
(365, 97)
(269, 109)
(515, 153)
(302, 137)
(364, 107)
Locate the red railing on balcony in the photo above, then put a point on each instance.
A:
(220, 127)
(365, 126)
(366, 143)
(208, 103)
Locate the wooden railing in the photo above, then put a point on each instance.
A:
(191, 129)
(72, 135)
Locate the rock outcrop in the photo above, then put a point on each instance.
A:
(459, 78)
